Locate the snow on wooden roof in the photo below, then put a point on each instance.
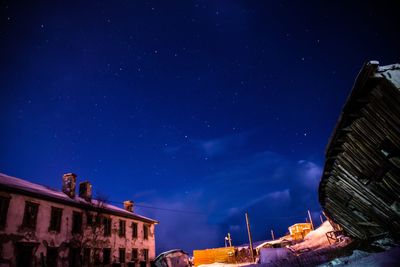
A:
(10, 183)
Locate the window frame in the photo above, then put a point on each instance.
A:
(48, 250)
(122, 228)
(122, 252)
(134, 226)
(30, 223)
(55, 219)
(145, 253)
(4, 205)
(75, 230)
(136, 254)
(107, 221)
(109, 255)
(146, 231)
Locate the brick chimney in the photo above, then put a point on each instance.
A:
(85, 191)
(69, 184)
(128, 205)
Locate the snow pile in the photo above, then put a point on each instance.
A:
(387, 258)
(217, 264)
(315, 239)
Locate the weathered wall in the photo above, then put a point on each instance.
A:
(13, 232)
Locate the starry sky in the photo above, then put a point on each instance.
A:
(199, 111)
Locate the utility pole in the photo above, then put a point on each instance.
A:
(229, 240)
(250, 238)
(309, 216)
(272, 234)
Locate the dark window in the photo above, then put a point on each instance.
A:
(75, 257)
(145, 254)
(134, 254)
(4, 203)
(122, 225)
(106, 255)
(24, 255)
(96, 256)
(76, 222)
(107, 226)
(30, 215)
(93, 220)
(134, 230)
(121, 255)
(51, 257)
(97, 220)
(86, 256)
(145, 231)
(89, 220)
(55, 219)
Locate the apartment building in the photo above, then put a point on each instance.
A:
(40, 226)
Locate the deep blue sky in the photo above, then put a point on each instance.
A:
(214, 107)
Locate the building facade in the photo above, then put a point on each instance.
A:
(359, 187)
(45, 227)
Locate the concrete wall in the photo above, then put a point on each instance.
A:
(13, 233)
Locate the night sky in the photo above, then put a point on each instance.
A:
(201, 110)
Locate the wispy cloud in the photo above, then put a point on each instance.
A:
(309, 173)
(265, 184)
(212, 147)
(219, 146)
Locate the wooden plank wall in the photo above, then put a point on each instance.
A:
(207, 256)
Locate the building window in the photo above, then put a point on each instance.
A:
(145, 231)
(30, 215)
(89, 219)
(107, 226)
(145, 253)
(134, 254)
(86, 256)
(4, 203)
(121, 255)
(96, 256)
(55, 219)
(76, 222)
(106, 255)
(122, 227)
(134, 230)
(51, 257)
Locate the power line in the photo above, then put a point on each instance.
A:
(160, 208)
(202, 212)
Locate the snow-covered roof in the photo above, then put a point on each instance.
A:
(44, 192)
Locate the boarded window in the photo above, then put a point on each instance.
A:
(4, 203)
(52, 256)
(122, 226)
(145, 231)
(30, 215)
(107, 226)
(134, 230)
(55, 219)
(106, 255)
(134, 254)
(76, 222)
(145, 253)
(121, 255)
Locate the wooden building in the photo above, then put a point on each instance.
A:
(359, 188)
